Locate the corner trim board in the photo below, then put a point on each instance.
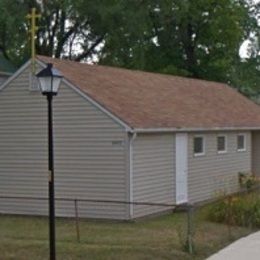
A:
(131, 196)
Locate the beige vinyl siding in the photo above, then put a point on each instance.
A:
(90, 163)
(3, 79)
(153, 172)
(213, 174)
(256, 153)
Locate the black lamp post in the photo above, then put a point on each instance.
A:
(50, 79)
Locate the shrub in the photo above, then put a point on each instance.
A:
(247, 180)
(241, 210)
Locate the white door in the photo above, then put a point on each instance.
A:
(181, 168)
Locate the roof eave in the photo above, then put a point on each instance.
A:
(3, 73)
(92, 101)
(130, 127)
(15, 75)
(192, 129)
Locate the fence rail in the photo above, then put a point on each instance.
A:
(188, 208)
(144, 203)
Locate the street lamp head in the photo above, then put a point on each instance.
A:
(49, 79)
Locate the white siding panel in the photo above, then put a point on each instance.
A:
(213, 174)
(256, 153)
(88, 165)
(153, 172)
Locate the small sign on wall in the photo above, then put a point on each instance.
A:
(118, 143)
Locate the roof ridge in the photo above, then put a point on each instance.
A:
(136, 70)
(152, 100)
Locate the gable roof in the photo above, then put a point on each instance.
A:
(146, 100)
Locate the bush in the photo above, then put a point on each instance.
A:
(243, 210)
(247, 180)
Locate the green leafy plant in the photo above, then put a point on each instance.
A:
(247, 180)
(240, 210)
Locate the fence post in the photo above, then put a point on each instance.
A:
(77, 219)
(190, 228)
(229, 216)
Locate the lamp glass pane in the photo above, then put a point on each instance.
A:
(45, 84)
(56, 84)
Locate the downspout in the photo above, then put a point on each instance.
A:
(131, 141)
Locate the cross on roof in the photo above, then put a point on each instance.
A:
(32, 17)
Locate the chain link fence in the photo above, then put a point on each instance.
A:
(75, 204)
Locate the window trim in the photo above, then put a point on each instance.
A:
(224, 151)
(203, 146)
(242, 149)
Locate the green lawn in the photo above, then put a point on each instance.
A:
(23, 238)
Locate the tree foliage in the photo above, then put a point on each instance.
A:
(63, 30)
(246, 72)
(199, 38)
(13, 31)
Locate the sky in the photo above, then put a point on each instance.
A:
(243, 48)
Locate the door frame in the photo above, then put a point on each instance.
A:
(181, 165)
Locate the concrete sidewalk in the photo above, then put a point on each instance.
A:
(246, 248)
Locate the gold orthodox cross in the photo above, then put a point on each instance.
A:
(32, 17)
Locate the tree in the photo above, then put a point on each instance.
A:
(199, 38)
(13, 32)
(63, 31)
(246, 73)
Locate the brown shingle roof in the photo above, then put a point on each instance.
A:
(150, 100)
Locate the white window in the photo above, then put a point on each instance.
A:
(222, 144)
(198, 146)
(241, 142)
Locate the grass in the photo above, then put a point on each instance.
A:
(26, 238)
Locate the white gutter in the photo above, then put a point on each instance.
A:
(192, 129)
(131, 197)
